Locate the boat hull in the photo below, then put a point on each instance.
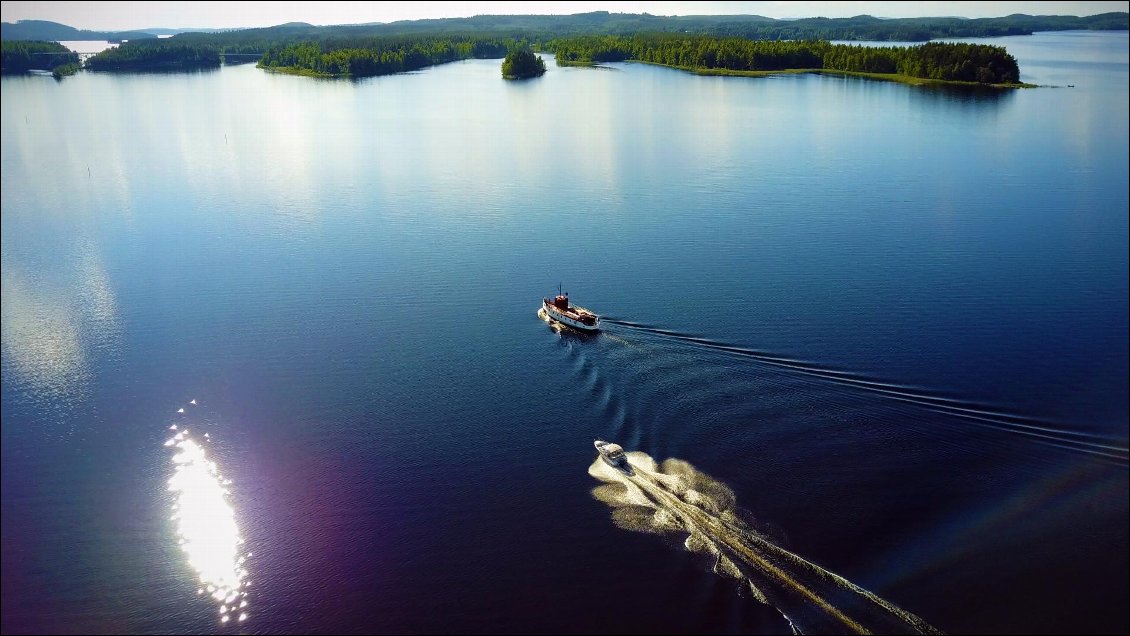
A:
(623, 467)
(557, 315)
(614, 456)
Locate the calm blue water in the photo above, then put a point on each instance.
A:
(892, 319)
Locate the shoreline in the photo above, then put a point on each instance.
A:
(886, 77)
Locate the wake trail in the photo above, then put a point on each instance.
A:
(676, 498)
(977, 414)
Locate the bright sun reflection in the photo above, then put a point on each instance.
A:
(206, 526)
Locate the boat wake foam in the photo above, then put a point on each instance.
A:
(675, 499)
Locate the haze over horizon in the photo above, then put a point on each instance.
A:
(121, 16)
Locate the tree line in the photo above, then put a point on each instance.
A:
(329, 56)
(392, 46)
(367, 57)
(964, 62)
(156, 55)
(21, 56)
(370, 56)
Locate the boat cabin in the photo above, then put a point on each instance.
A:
(560, 307)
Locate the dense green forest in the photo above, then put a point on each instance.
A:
(934, 60)
(543, 27)
(366, 57)
(23, 56)
(156, 55)
(521, 64)
(714, 42)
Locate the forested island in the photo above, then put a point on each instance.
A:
(522, 64)
(938, 61)
(23, 56)
(736, 44)
(156, 55)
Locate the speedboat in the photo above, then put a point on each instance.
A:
(560, 310)
(613, 455)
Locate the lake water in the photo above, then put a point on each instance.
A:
(87, 46)
(892, 320)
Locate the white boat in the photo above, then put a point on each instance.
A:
(576, 317)
(613, 455)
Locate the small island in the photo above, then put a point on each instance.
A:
(522, 64)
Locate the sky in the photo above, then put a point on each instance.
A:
(229, 14)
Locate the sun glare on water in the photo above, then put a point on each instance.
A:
(206, 527)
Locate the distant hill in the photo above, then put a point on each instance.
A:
(541, 27)
(164, 31)
(754, 27)
(49, 31)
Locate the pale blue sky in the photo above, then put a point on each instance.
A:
(134, 15)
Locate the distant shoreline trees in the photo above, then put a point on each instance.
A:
(545, 27)
(341, 52)
(366, 57)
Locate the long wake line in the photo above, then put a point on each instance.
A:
(1030, 427)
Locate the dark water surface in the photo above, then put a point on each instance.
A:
(893, 320)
